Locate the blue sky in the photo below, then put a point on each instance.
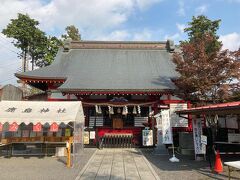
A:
(148, 20)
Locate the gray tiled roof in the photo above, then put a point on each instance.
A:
(110, 69)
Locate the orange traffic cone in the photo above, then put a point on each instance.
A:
(218, 163)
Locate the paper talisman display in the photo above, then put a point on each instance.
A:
(13, 127)
(49, 133)
(54, 127)
(37, 127)
(59, 133)
(67, 132)
(33, 134)
(18, 133)
(25, 133)
(39, 134)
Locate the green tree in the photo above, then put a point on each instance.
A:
(32, 41)
(49, 50)
(72, 32)
(206, 71)
(22, 30)
(201, 26)
(36, 48)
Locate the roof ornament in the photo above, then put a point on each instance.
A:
(170, 45)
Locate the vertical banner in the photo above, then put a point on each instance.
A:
(1, 127)
(13, 127)
(197, 132)
(37, 127)
(54, 127)
(166, 127)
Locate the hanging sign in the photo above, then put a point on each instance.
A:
(86, 137)
(13, 127)
(54, 127)
(197, 132)
(166, 127)
(204, 139)
(1, 127)
(37, 127)
(92, 134)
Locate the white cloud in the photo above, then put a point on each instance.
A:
(181, 27)
(181, 9)
(145, 35)
(201, 9)
(231, 41)
(118, 35)
(175, 37)
(9, 62)
(96, 19)
(92, 14)
(144, 4)
(232, 1)
(131, 34)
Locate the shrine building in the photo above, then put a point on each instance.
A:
(121, 84)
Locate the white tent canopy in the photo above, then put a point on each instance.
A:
(40, 112)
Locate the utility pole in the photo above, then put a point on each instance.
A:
(24, 69)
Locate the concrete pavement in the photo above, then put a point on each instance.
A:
(117, 164)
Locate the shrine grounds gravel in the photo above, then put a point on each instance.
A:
(40, 168)
(187, 168)
(53, 168)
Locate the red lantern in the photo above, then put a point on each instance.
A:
(37, 127)
(1, 127)
(54, 127)
(13, 127)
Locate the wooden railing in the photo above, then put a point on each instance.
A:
(34, 139)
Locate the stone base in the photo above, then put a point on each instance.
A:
(186, 151)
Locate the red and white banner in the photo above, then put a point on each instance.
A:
(13, 127)
(197, 132)
(1, 127)
(54, 127)
(166, 127)
(37, 127)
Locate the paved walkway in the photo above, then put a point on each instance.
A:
(117, 164)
